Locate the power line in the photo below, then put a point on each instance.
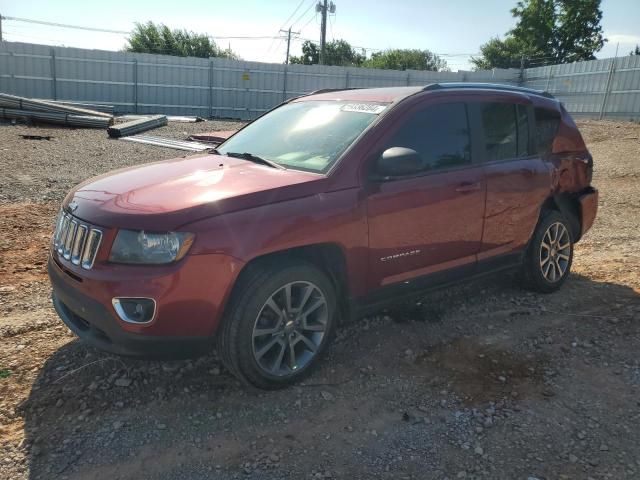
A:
(313, 17)
(284, 24)
(304, 13)
(122, 32)
(291, 16)
(65, 25)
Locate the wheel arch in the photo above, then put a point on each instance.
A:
(569, 206)
(329, 258)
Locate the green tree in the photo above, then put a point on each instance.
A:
(310, 54)
(406, 59)
(635, 51)
(578, 35)
(507, 53)
(547, 32)
(151, 38)
(337, 52)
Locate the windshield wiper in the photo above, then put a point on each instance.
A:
(254, 158)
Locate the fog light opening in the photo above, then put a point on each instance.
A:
(135, 310)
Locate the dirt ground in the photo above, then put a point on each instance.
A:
(484, 381)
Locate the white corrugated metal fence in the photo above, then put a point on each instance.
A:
(217, 87)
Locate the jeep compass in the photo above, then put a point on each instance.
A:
(328, 206)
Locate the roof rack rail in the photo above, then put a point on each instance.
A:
(485, 86)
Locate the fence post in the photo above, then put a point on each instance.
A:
(135, 85)
(210, 88)
(408, 78)
(549, 78)
(54, 88)
(284, 82)
(346, 80)
(607, 89)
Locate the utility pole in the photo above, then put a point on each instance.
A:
(288, 32)
(324, 8)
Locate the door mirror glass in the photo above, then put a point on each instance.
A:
(398, 162)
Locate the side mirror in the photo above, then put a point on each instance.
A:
(399, 161)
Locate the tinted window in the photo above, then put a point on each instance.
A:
(523, 130)
(506, 130)
(440, 134)
(547, 122)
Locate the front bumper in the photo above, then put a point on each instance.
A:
(188, 309)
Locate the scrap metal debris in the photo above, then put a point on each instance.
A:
(14, 107)
(37, 137)
(212, 137)
(168, 143)
(137, 126)
(170, 118)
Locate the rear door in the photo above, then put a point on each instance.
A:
(517, 179)
(430, 222)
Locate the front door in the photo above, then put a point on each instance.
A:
(430, 222)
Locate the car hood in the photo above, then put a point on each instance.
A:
(168, 194)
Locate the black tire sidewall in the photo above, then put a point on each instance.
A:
(246, 308)
(533, 272)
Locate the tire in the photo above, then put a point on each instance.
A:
(547, 262)
(269, 343)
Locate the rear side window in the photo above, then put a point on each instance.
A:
(440, 134)
(506, 130)
(547, 122)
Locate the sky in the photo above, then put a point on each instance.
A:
(454, 29)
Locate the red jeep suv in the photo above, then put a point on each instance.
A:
(330, 205)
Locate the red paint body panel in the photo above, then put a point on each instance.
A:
(165, 195)
(426, 219)
(515, 191)
(186, 305)
(388, 232)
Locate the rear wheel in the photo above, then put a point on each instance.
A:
(278, 325)
(548, 260)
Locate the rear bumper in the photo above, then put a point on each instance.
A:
(588, 209)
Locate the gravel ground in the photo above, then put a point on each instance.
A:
(483, 381)
(45, 170)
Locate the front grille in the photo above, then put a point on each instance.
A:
(76, 241)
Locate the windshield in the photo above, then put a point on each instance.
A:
(308, 135)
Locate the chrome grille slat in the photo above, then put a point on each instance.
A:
(91, 248)
(78, 244)
(56, 236)
(63, 234)
(68, 243)
(76, 241)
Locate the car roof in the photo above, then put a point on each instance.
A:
(382, 95)
(394, 94)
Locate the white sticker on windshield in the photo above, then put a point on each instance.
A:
(363, 108)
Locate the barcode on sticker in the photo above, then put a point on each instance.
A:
(363, 108)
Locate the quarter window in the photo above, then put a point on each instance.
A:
(440, 135)
(506, 130)
(547, 122)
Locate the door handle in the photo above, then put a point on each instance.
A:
(467, 187)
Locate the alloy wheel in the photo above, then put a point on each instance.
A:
(555, 252)
(289, 329)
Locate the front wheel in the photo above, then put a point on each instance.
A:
(278, 325)
(548, 260)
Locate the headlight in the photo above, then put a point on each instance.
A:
(131, 246)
